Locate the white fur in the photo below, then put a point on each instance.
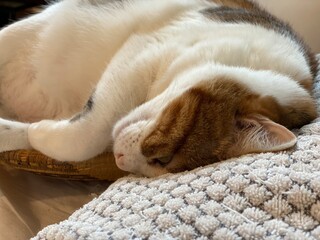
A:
(13, 135)
(130, 52)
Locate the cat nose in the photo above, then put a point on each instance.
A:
(120, 160)
(117, 156)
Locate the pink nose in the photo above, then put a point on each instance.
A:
(118, 155)
(120, 161)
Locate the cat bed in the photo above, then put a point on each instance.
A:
(257, 196)
(102, 167)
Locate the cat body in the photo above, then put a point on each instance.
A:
(172, 84)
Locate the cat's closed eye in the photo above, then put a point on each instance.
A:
(160, 160)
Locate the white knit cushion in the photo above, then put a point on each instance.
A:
(258, 196)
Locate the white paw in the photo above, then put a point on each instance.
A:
(13, 135)
(63, 140)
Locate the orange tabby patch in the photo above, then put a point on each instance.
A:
(216, 120)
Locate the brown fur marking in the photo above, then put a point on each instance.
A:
(199, 127)
(307, 84)
(202, 126)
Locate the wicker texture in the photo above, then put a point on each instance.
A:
(102, 167)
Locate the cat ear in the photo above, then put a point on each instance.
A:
(256, 133)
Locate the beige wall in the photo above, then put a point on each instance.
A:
(303, 15)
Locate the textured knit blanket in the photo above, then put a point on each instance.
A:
(258, 196)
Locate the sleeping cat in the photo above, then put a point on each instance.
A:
(168, 85)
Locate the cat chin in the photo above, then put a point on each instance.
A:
(139, 166)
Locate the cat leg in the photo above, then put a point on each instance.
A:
(13, 135)
(89, 132)
(15, 42)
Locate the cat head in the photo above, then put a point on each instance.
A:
(209, 122)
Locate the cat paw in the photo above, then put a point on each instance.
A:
(13, 135)
(64, 141)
